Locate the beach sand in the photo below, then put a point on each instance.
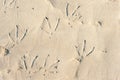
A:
(59, 39)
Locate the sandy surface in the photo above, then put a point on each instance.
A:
(59, 39)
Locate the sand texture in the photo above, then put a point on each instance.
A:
(59, 39)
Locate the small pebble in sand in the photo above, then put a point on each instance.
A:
(3, 51)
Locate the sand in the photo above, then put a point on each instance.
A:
(59, 39)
